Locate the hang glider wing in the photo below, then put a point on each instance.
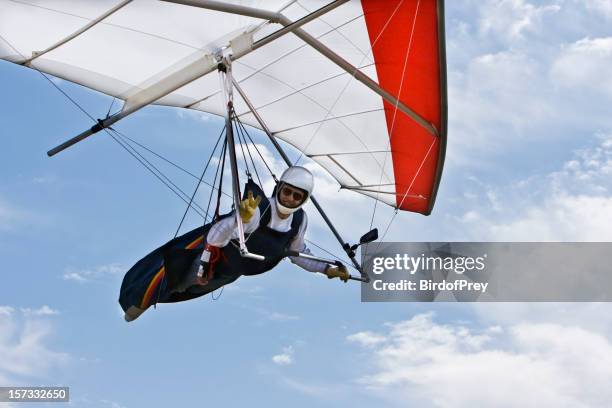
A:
(163, 52)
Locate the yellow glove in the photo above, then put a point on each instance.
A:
(248, 206)
(340, 272)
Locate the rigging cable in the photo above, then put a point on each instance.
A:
(158, 173)
(215, 182)
(198, 185)
(243, 142)
(258, 152)
(167, 160)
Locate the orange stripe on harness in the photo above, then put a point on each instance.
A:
(157, 279)
(146, 299)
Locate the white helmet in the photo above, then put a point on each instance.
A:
(298, 177)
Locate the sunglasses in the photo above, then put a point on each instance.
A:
(288, 191)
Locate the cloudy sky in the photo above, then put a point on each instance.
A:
(529, 159)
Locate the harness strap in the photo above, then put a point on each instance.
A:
(215, 255)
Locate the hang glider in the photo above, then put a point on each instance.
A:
(381, 133)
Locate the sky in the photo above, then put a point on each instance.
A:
(529, 158)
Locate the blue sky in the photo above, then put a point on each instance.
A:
(529, 159)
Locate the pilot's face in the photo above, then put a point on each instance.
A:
(290, 196)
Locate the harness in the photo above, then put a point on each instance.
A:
(229, 265)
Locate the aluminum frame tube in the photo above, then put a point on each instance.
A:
(298, 23)
(329, 261)
(229, 8)
(231, 146)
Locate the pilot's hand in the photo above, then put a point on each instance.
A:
(248, 206)
(333, 271)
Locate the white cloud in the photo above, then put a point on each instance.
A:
(75, 276)
(6, 310)
(600, 6)
(284, 358)
(511, 19)
(498, 100)
(425, 363)
(571, 204)
(11, 216)
(42, 311)
(23, 345)
(14, 217)
(282, 317)
(89, 275)
(594, 316)
(366, 338)
(193, 114)
(561, 218)
(319, 391)
(112, 404)
(47, 179)
(585, 63)
(531, 72)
